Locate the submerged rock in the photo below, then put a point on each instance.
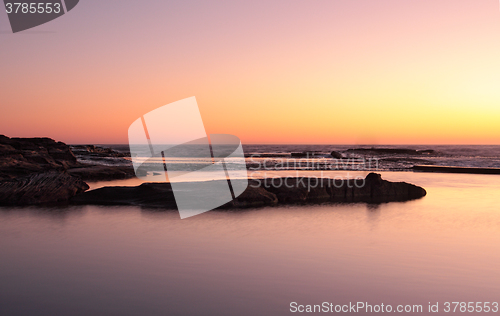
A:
(40, 188)
(271, 191)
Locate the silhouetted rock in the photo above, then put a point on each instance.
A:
(253, 196)
(296, 190)
(96, 151)
(271, 191)
(40, 189)
(146, 194)
(336, 155)
(26, 156)
(375, 190)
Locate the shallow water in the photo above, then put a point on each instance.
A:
(132, 261)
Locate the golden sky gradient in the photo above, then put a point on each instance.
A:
(337, 72)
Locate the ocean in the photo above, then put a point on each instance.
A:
(383, 157)
(302, 160)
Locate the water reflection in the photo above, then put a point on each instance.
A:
(127, 260)
(57, 213)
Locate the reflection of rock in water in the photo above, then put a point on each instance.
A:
(373, 207)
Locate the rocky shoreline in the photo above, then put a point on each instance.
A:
(21, 157)
(36, 171)
(41, 170)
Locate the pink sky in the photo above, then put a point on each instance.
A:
(364, 71)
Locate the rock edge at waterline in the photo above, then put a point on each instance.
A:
(263, 192)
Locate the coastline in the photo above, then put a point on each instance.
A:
(28, 164)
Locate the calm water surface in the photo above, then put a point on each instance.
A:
(93, 260)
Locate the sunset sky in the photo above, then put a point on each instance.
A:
(335, 71)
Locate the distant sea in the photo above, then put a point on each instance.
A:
(355, 157)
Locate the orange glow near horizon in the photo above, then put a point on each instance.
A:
(343, 72)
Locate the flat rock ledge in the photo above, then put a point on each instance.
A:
(264, 192)
(42, 188)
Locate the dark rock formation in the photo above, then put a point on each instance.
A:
(40, 188)
(376, 190)
(269, 191)
(254, 196)
(97, 151)
(146, 194)
(161, 195)
(336, 155)
(24, 156)
(21, 157)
